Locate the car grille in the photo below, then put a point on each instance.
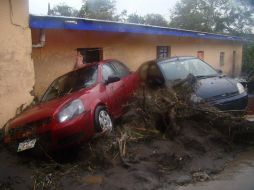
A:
(235, 106)
(31, 126)
(71, 139)
(222, 96)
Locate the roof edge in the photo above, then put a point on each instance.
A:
(76, 23)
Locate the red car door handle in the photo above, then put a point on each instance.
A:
(122, 86)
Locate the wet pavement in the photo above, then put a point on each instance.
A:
(238, 175)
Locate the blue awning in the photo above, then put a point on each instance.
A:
(71, 23)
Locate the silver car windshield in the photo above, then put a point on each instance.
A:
(180, 69)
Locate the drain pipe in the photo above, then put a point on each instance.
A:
(42, 40)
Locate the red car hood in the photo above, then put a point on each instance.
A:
(42, 111)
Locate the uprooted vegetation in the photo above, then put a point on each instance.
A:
(163, 140)
(167, 109)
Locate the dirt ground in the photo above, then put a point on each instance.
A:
(149, 161)
(238, 174)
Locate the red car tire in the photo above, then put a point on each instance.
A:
(102, 120)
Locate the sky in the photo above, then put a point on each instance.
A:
(140, 7)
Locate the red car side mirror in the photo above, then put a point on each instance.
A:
(112, 79)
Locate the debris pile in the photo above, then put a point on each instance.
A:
(168, 108)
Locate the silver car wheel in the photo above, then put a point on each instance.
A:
(105, 121)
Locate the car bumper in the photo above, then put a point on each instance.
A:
(57, 135)
(235, 104)
(71, 132)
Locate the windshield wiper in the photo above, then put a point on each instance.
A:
(205, 76)
(65, 93)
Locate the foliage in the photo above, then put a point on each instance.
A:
(63, 10)
(105, 10)
(167, 108)
(149, 19)
(248, 59)
(122, 17)
(135, 18)
(156, 20)
(222, 16)
(98, 9)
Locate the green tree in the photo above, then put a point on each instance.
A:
(150, 19)
(122, 17)
(222, 16)
(98, 9)
(248, 58)
(156, 20)
(135, 18)
(63, 10)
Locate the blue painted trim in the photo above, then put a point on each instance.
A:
(69, 23)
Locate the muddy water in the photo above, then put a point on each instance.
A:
(238, 175)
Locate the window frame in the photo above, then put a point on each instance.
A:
(165, 51)
(222, 58)
(85, 51)
(234, 63)
(102, 70)
(119, 73)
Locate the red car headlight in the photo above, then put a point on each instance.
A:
(73, 109)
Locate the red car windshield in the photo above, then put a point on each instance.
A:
(71, 82)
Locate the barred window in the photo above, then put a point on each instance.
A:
(163, 51)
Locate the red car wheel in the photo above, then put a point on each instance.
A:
(103, 121)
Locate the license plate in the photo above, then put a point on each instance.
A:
(27, 144)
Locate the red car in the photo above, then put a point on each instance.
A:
(75, 107)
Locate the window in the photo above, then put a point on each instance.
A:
(222, 58)
(91, 55)
(71, 82)
(108, 70)
(163, 52)
(180, 69)
(201, 55)
(121, 69)
(234, 63)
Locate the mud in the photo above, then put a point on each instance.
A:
(150, 161)
(238, 174)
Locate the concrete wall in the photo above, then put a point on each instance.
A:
(58, 55)
(16, 66)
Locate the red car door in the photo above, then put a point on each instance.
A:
(128, 79)
(115, 90)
